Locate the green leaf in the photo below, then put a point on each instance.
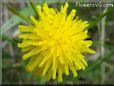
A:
(13, 10)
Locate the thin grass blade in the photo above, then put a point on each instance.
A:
(13, 10)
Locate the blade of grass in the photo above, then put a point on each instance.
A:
(14, 20)
(99, 62)
(6, 38)
(43, 80)
(33, 7)
(13, 10)
(44, 1)
(15, 65)
(93, 23)
(96, 64)
(59, 3)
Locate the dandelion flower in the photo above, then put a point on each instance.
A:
(55, 43)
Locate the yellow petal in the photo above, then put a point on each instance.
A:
(35, 22)
(66, 69)
(32, 53)
(25, 28)
(39, 11)
(36, 60)
(60, 73)
(46, 67)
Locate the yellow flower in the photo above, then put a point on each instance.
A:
(55, 43)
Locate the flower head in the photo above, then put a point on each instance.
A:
(55, 43)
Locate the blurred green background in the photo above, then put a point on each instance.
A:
(101, 31)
